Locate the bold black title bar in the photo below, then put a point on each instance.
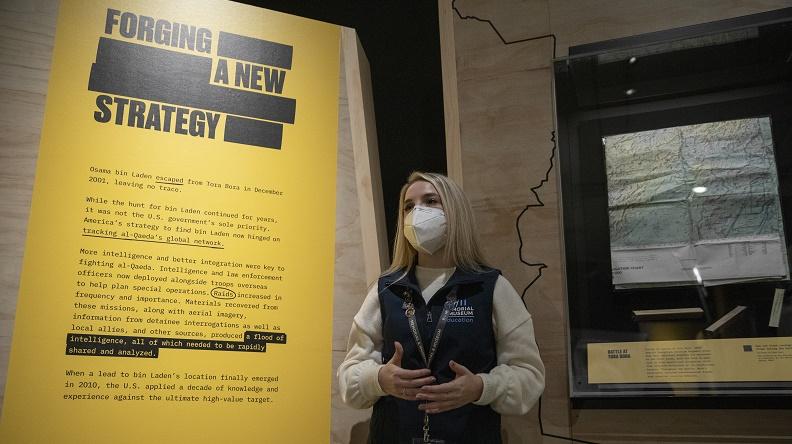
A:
(161, 75)
(252, 50)
(253, 132)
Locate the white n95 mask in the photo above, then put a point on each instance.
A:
(425, 229)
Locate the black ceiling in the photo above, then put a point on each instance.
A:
(401, 40)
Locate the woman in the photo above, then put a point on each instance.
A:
(443, 344)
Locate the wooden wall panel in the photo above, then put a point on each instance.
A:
(366, 152)
(504, 94)
(350, 282)
(505, 116)
(27, 33)
(450, 98)
(361, 247)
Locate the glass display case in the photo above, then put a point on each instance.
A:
(675, 151)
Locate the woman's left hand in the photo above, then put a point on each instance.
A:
(464, 389)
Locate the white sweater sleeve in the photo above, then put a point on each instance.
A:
(358, 374)
(515, 384)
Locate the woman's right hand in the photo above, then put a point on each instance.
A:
(401, 383)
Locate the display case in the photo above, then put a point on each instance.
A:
(675, 156)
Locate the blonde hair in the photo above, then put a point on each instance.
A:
(462, 245)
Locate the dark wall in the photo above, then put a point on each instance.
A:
(402, 43)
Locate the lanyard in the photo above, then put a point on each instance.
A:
(409, 311)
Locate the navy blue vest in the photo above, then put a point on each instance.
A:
(468, 339)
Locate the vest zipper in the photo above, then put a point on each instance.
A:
(428, 315)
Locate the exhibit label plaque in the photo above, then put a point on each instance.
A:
(713, 360)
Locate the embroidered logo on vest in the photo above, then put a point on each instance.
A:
(462, 312)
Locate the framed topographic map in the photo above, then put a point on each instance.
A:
(676, 175)
(695, 203)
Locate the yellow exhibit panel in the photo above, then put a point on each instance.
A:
(178, 273)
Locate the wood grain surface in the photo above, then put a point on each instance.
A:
(505, 118)
(27, 34)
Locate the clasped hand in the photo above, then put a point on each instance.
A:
(416, 385)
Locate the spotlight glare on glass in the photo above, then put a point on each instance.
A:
(698, 275)
(630, 92)
(699, 190)
(633, 60)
